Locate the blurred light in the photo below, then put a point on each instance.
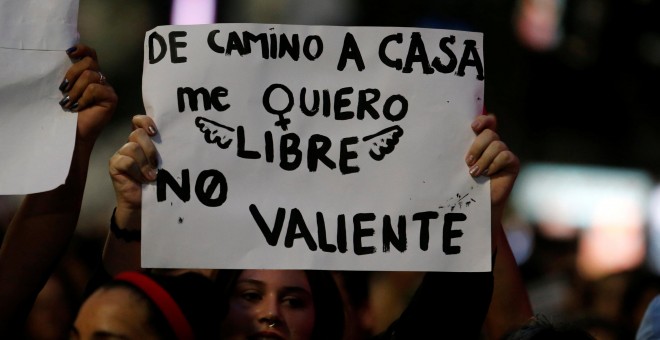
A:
(521, 242)
(569, 196)
(614, 243)
(604, 207)
(193, 12)
(557, 231)
(654, 231)
(538, 23)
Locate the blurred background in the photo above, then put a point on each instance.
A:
(574, 86)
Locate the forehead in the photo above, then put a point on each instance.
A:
(115, 310)
(276, 278)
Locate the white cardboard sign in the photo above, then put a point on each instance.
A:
(314, 147)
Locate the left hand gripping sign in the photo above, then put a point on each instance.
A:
(312, 147)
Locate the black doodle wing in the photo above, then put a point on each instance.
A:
(214, 132)
(383, 142)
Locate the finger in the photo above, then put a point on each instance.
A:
(76, 70)
(483, 122)
(94, 94)
(504, 160)
(141, 137)
(80, 51)
(479, 145)
(120, 164)
(77, 90)
(144, 122)
(483, 164)
(131, 161)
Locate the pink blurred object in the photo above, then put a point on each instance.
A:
(193, 12)
(538, 23)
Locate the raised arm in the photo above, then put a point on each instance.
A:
(132, 165)
(456, 305)
(39, 232)
(510, 307)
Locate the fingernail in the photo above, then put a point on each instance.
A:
(474, 170)
(70, 50)
(74, 107)
(469, 160)
(151, 129)
(153, 174)
(475, 124)
(64, 85)
(64, 101)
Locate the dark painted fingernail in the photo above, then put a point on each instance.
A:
(64, 85)
(74, 107)
(64, 101)
(71, 50)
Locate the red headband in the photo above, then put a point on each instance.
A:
(163, 301)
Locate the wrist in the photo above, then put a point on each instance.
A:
(122, 230)
(84, 146)
(128, 215)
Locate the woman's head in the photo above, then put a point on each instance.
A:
(141, 306)
(289, 304)
(116, 311)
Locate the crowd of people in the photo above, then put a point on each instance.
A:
(120, 299)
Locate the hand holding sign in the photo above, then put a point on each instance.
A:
(488, 155)
(86, 91)
(132, 165)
